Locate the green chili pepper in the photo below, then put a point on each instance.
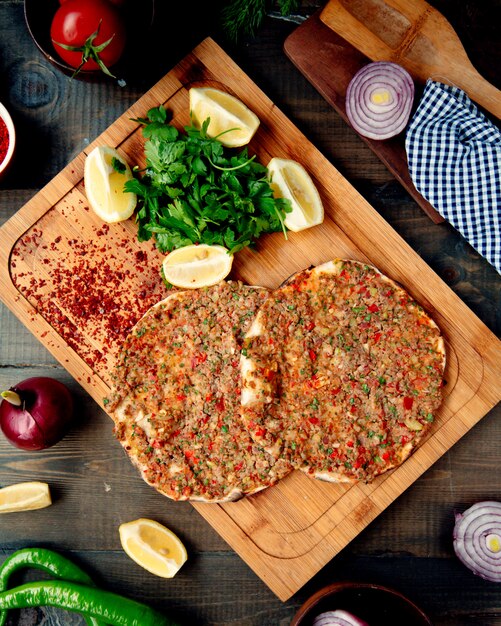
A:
(49, 562)
(89, 601)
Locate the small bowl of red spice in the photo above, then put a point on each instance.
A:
(7, 138)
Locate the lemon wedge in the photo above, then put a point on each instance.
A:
(231, 121)
(191, 267)
(290, 180)
(153, 546)
(104, 185)
(24, 497)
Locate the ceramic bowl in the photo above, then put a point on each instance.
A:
(138, 15)
(11, 132)
(377, 605)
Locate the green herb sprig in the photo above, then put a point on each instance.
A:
(245, 17)
(194, 190)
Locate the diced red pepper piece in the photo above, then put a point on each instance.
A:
(269, 374)
(408, 402)
(373, 308)
(198, 358)
(344, 274)
(313, 420)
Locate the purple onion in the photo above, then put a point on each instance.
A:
(36, 413)
(477, 539)
(338, 618)
(379, 100)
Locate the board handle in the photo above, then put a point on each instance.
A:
(415, 35)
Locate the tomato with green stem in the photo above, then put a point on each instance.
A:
(89, 35)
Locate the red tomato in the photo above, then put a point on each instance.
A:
(117, 3)
(74, 25)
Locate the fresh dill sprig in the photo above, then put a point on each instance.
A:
(245, 17)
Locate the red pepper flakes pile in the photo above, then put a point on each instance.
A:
(90, 291)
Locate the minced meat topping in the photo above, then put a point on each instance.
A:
(176, 399)
(342, 372)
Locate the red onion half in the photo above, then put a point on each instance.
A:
(477, 539)
(379, 100)
(338, 618)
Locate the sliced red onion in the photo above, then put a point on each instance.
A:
(477, 539)
(338, 618)
(379, 100)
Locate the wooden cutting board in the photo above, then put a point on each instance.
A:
(415, 35)
(333, 44)
(79, 285)
(329, 62)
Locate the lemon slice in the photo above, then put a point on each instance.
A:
(104, 185)
(227, 115)
(24, 497)
(290, 180)
(197, 266)
(153, 546)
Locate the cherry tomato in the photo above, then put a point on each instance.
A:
(82, 26)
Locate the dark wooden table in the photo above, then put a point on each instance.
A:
(94, 486)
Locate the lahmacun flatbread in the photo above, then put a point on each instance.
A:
(176, 397)
(341, 372)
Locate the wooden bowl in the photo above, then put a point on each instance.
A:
(377, 605)
(138, 15)
(11, 132)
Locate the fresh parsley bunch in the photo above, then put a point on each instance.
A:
(194, 190)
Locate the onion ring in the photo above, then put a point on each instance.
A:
(379, 100)
(477, 539)
(338, 618)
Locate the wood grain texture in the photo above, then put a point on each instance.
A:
(414, 35)
(408, 546)
(288, 533)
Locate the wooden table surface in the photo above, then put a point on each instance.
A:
(94, 486)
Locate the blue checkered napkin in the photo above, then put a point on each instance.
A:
(454, 156)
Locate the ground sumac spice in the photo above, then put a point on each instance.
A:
(4, 140)
(91, 287)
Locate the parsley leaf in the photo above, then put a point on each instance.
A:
(194, 190)
(117, 165)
